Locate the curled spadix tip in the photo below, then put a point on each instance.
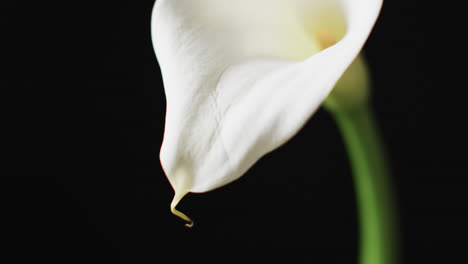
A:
(178, 213)
(175, 201)
(189, 225)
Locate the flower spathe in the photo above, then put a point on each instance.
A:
(242, 77)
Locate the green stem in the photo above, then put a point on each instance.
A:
(377, 219)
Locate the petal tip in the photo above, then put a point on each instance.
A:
(175, 201)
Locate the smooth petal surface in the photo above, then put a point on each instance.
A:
(242, 77)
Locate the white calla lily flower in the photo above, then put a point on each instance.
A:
(242, 77)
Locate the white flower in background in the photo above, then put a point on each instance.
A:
(242, 77)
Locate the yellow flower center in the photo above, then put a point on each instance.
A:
(325, 38)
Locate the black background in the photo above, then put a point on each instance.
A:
(85, 117)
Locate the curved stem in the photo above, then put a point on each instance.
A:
(377, 219)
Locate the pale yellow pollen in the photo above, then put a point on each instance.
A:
(325, 38)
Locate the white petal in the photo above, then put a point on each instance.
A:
(242, 77)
